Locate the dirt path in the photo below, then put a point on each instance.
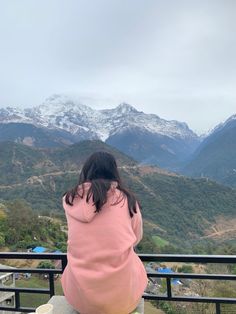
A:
(219, 233)
(37, 179)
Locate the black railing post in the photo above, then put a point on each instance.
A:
(168, 285)
(63, 262)
(17, 300)
(51, 284)
(218, 311)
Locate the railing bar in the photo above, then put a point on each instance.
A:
(31, 270)
(218, 310)
(191, 299)
(143, 257)
(12, 309)
(25, 290)
(168, 285)
(22, 255)
(188, 258)
(192, 276)
(51, 285)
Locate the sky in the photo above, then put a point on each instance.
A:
(172, 58)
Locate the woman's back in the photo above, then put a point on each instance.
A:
(104, 275)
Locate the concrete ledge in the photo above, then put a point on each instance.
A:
(60, 305)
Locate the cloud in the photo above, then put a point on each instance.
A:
(172, 58)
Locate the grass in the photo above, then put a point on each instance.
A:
(160, 241)
(36, 281)
(150, 309)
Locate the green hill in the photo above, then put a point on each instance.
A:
(182, 207)
(21, 227)
(175, 208)
(20, 162)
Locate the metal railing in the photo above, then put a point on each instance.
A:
(203, 259)
(50, 272)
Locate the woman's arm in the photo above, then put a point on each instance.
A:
(137, 225)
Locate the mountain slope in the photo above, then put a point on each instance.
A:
(30, 135)
(151, 148)
(19, 162)
(177, 206)
(216, 156)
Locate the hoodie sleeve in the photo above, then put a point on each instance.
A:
(137, 225)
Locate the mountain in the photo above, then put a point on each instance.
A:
(216, 156)
(20, 163)
(30, 135)
(153, 148)
(60, 121)
(174, 207)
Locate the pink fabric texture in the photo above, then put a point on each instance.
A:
(104, 275)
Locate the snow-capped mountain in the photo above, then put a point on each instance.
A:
(60, 112)
(216, 155)
(123, 123)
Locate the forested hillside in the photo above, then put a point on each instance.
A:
(21, 228)
(175, 208)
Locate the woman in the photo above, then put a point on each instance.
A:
(103, 275)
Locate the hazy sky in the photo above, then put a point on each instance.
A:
(174, 58)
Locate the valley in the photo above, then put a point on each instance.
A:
(185, 183)
(150, 140)
(173, 205)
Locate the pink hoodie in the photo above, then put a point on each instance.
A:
(103, 275)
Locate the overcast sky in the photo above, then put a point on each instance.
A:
(174, 58)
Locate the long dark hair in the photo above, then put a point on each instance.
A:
(100, 170)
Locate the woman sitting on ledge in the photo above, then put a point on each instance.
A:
(104, 275)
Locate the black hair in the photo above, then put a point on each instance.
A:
(101, 170)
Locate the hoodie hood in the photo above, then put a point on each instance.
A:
(82, 210)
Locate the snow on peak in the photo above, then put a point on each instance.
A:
(125, 108)
(221, 125)
(233, 117)
(59, 104)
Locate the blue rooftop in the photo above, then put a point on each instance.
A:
(167, 270)
(39, 249)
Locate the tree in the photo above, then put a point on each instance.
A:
(2, 239)
(46, 265)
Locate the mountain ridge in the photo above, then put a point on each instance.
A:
(174, 141)
(48, 114)
(215, 158)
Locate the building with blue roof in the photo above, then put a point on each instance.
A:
(168, 270)
(39, 249)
